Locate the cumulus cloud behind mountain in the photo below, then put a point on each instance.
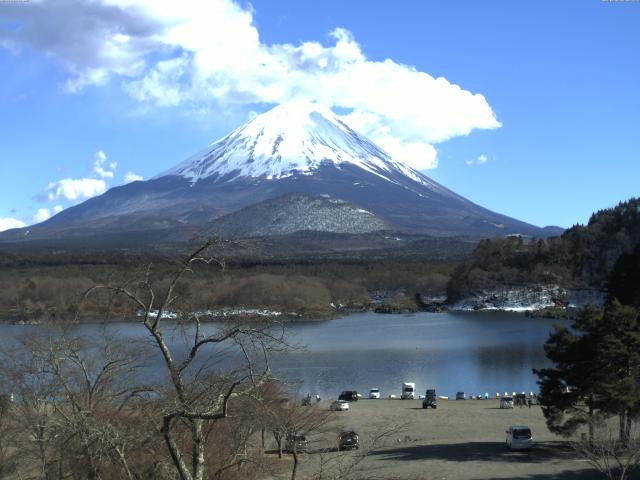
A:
(194, 53)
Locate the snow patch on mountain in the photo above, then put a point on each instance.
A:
(293, 138)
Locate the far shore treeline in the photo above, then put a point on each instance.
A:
(45, 285)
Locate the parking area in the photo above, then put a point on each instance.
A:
(458, 440)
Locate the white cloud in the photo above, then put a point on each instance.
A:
(9, 223)
(45, 214)
(193, 53)
(131, 177)
(481, 160)
(41, 215)
(73, 189)
(99, 160)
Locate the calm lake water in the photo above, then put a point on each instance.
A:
(472, 352)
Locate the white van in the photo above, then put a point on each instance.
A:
(408, 391)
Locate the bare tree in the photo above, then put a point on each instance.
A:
(290, 421)
(343, 466)
(7, 457)
(200, 391)
(613, 458)
(69, 396)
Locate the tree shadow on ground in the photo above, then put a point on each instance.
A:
(478, 451)
(563, 475)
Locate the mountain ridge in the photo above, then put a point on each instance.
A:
(296, 147)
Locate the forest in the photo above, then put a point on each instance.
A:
(583, 256)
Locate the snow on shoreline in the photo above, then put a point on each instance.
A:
(223, 312)
(527, 299)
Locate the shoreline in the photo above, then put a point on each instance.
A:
(288, 317)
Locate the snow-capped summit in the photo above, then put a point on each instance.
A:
(279, 164)
(294, 137)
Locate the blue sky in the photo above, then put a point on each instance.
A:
(537, 115)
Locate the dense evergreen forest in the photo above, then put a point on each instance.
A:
(583, 256)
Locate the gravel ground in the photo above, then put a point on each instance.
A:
(458, 440)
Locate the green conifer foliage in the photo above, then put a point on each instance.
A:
(596, 371)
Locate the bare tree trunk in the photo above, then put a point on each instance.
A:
(278, 438)
(123, 461)
(591, 429)
(198, 449)
(43, 453)
(294, 471)
(178, 461)
(93, 473)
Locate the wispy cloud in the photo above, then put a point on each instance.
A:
(194, 53)
(99, 163)
(481, 160)
(131, 177)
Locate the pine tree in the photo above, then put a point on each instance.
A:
(570, 391)
(624, 282)
(596, 372)
(619, 350)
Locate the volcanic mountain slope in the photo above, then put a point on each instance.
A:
(295, 147)
(296, 212)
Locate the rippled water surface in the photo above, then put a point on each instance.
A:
(471, 352)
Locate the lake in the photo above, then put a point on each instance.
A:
(474, 352)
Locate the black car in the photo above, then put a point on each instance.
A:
(296, 441)
(348, 439)
(349, 396)
(430, 399)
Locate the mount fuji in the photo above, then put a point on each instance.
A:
(287, 168)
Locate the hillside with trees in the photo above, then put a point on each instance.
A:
(584, 256)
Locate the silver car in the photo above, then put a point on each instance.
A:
(339, 406)
(519, 437)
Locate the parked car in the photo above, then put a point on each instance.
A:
(348, 439)
(519, 437)
(296, 442)
(461, 396)
(408, 391)
(430, 399)
(339, 406)
(506, 402)
(349, 396)
(374, 393)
